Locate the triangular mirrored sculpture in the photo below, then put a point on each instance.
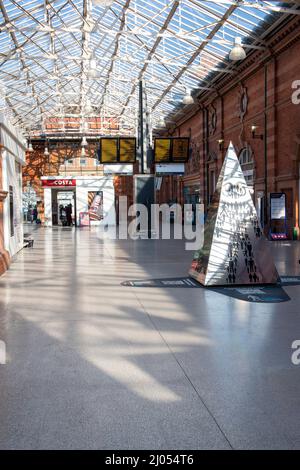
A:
(234, 250)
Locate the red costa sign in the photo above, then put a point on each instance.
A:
(59, 182)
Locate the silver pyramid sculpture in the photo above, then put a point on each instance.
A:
(235, 250)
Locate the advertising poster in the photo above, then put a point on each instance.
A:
(95, 205)
(278, 211)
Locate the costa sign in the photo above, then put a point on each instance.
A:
(59, 182)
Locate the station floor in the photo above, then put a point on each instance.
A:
(95, 365)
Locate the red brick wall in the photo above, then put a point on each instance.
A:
(278, 71)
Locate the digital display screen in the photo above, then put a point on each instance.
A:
(109, 150)
(127, 150)
(180, 150)
(162, 150)
(173, 150)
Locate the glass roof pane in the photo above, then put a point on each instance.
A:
(59, 55)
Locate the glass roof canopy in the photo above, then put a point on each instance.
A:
(79, 59)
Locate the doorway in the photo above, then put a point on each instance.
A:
(61, 201)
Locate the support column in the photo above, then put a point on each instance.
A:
(4, 255)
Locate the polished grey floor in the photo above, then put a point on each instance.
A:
(95, 365)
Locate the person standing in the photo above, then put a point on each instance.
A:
(35, 214)
(69, 215)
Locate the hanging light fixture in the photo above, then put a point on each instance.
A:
(93, 67)
(88, 107)
(46, 151)
(93, 64)
(83, 152)
(29, 148)
(188, 99)
(161, 122)
(237, 52)
(83, 142)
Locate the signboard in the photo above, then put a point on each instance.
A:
(259, 294)
(109, 150)
(277, 203)
(171, 150)
(169, 169)
(95, 203)
(118, 169)
(127, 149)
(59, 182)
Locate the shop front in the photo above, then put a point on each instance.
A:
(78, 200)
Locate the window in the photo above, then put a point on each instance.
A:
(82, 162)
(247, 165)
(211, 184)
(70, 162)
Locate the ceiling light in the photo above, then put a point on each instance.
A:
(93, 67)
(188, 99)
(161, 122)
(84, 142)
(237, 52)
(93, 64)
(83, 152)
(46, 152)
(88, 109)
(29, 148)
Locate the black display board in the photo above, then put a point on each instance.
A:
(117, 150)
(171, 150)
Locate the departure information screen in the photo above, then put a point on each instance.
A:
(109, 150)
(127, 150)
(162, 150)
(171, 150)
(180, 150)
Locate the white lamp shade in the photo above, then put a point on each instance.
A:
(84, 142)
(93, 64)
(30, 148)
(161, 122)
(237, 52)
(46, 152)
(188, 99)
(88, 109)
